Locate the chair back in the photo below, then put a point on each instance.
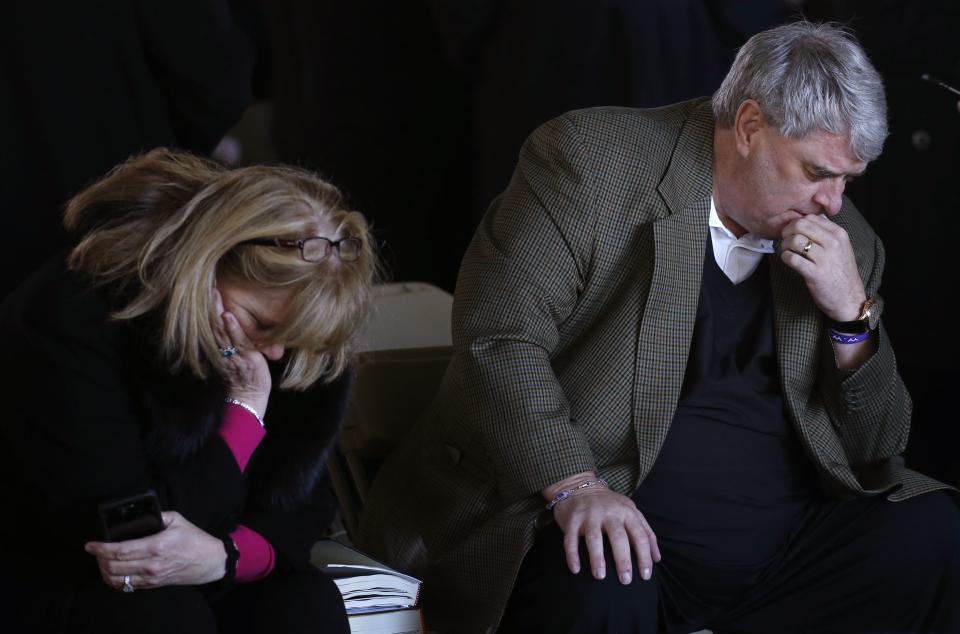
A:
(406, 349)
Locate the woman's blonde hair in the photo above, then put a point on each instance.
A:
(161, 228)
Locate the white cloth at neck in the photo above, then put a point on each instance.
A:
(738, 258)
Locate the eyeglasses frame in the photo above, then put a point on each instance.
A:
(300, 242)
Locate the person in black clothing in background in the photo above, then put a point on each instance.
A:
(87, 85)
(417, 110)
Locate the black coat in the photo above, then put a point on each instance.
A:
(91, 416)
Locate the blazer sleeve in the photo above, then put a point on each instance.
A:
(870, 407)
(519, 280)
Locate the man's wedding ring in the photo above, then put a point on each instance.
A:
(806, 247)
(228, 352)
(127, 586)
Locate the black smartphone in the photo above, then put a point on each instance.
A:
(130, 518)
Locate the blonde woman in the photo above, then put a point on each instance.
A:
(195, 343)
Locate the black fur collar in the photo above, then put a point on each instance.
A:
(184, 413)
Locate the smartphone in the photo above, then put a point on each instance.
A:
(130, 518)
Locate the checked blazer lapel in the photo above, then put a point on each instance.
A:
(668, 318)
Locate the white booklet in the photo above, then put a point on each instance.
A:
(366, 584)
(396, 622)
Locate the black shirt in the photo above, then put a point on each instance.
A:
(731, 475)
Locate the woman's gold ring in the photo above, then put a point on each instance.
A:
(806, 247)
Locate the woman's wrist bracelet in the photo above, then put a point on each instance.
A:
(246, 406)
(565, 493)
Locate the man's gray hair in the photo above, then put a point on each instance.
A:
(808, 77)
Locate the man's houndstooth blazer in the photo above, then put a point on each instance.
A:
(572, 322)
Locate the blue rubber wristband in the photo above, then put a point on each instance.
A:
(845, 339)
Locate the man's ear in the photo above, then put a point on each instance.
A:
(748, 122)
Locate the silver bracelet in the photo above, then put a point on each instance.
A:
(563, 495)
(246, 406)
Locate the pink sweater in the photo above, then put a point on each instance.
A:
(243, 433)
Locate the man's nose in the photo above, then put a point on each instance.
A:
(830, 194)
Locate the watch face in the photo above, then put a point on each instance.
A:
(873, 316)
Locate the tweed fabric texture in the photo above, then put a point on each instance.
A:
(572, 323)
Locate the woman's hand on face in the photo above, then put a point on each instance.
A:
(246, 370)
(179, 555)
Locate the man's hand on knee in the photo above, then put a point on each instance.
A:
(595, 511)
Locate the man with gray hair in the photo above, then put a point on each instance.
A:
(671, 403)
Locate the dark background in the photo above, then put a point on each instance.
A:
(417, 109)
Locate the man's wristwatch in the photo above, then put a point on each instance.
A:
(867, 320)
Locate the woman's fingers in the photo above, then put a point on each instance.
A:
(182, 554)
(140, 563)
(170, 518)
(227, 329)
(219, 328)
(138, 579)
(247, 373)
(236, 333)
(129, 550)
(134, 549)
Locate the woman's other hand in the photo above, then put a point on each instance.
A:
(179, 555)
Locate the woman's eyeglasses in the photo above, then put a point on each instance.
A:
(316, 249)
